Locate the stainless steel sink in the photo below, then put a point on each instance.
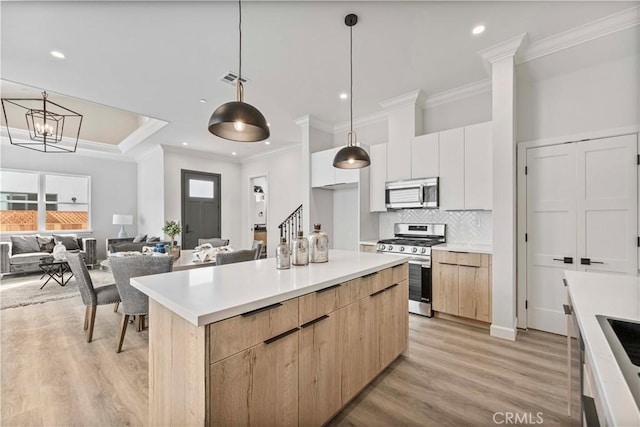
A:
(623, 336)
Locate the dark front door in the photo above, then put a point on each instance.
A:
(200, 207)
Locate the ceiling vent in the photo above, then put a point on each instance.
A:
(231, 77)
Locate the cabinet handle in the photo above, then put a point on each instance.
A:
(446, 263)
(369, 275)
(328, 289)
(311, 322)
(566, 260)
(458, 252)
(466, 265)
(392, 286)
(282, 335)
(564, 281)
(587, 261)
(379, 292)
(260, 310)
(566, 308)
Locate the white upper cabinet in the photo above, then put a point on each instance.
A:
(425, 156)
(478, 167)
(377, 177)
(323, 174)
(451, 147)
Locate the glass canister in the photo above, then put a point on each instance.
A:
(318, 245)
(283, 255)
(300, 250)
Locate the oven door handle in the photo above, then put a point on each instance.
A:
(422, 264)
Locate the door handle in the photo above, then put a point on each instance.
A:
(186, 228)
(566, 260)
(587, 261)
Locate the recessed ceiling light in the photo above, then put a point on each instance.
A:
(478, 29)
(204, 101)
(185, 143)
(57, 54)
(233, 153)
(344, 96)
(267, 142)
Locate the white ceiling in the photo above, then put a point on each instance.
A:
(158, 59)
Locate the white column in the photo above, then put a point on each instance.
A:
(502, 61)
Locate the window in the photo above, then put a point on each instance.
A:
(32, 201)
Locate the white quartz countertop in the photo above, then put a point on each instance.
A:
(209, 294)
(464, 247)
(609, 295)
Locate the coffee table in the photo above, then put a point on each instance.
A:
(55, 269)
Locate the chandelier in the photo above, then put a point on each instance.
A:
(51, 127)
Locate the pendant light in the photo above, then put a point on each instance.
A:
(237, 120)
(352, 156)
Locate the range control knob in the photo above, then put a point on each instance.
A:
(382, 247)
(401, 248)
(423, 250)
(414, 250)
(390, 248)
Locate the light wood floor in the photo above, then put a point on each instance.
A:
(452, 375)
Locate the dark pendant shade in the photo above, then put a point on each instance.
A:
(351, 157)
(239, 121)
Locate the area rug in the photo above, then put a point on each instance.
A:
(19, 291)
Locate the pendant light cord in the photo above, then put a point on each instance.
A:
(351, 78)
(240, 40)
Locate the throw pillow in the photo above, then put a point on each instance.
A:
(139, 238)
(69, 242)
(153, 239)
(24, 245)
(46, 244)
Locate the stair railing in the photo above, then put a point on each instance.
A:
(289, 227)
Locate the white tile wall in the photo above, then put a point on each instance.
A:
(473, 227)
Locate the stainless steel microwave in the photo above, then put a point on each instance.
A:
(412, 194)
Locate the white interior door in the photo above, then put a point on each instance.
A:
(551, 230)
(606, 200)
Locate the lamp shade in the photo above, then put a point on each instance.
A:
(239, 121)
(119, 219)
(351, 157)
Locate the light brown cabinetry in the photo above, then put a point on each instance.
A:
(297, 362)
(462, 284)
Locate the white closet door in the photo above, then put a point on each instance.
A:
(607, 204)
(551, 229)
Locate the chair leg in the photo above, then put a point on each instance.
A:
(92, 321)
(115, 307)
(86, 317)
(143, 318)
(123, 330)
(138, 318)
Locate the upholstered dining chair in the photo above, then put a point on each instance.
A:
(134, 302)
(91, 297)
(215, 242)
(258, 244)
(241, 255)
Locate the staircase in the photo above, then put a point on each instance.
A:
(290, 226)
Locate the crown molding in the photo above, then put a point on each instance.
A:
(415, 97)
(380, 116)
(310, 121)
(144, 131)
(584, 33)
(285, 148)
(505, 49)
(458, 93)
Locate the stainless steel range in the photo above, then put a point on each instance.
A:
(416, 240)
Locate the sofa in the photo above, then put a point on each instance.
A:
(22, 254)
(131, 244)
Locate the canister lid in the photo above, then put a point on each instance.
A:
(317, 227)
(283, 240)
(300, 233)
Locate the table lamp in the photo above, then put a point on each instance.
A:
(119, 219)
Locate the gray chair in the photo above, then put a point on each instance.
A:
(236, 256)
(258, 244)
(134, 302)
(91, 297)
(215, 242)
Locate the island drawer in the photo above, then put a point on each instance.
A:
(324, 301)
(364, 286)
(238, 333)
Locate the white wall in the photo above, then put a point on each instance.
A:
(345, 219)
(455, 114)
(151, 192)
(231, 188)
(603, 96)
(284, 192)
(113, 184)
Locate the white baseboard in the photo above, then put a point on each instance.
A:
(504, 333)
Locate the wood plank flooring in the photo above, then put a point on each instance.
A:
(452, 374)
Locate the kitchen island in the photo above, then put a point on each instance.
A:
(244, 343)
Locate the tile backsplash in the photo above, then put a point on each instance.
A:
(473, 227)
